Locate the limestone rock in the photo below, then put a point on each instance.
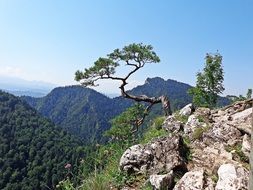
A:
(192, 124)
(160, 182)
(246, 145)
(136, 158)
(187, 110)
(162, 154)
(223, 133)
(193, 180)
(210, 157)
(232, 178)
(172, 125)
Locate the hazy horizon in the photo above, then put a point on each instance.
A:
(48, 41)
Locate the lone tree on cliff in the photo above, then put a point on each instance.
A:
(209, 82)
(135, 56)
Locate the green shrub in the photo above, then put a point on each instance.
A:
(147, 186)
(158, 122)
(65, 185)
(182, 118)
(198, 132)
(96, 182)
(215, 178)
(152, 133)
(238, 154)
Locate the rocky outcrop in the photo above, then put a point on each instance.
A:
(187, 110)
(246, 145)
(172, 125)
(161, 155)
(193, 180)
(232, 178)
(160, 182)
(214, 155)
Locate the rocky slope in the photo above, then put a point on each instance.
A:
(204, 150)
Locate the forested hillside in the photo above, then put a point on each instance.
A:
(33, 151)
(82, 111)
(87, 113)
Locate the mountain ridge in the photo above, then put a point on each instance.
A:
(87, 113)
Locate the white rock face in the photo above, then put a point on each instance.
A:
(187, 110)
(246, 145)
(162, 154)
(160, 182)
(232, 178)
(243, 115)
(172, 125)
(191, 124)
(193, 180)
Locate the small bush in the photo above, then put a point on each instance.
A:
(215, 178)
(198, 132)
(147, 186)
(182, 118)
(238, 154)
(152, 133)
(96, 182)
(158, 122)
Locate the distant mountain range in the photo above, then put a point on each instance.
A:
(21, 87)
(87, 113)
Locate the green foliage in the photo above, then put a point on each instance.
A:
(33, 152)
(136, 55)
(124, 124)
(83, 112)
(158, 122)
(65, 185)
(237, 153)
(155, 87)
(147, 186)
(198, 132)
(151, 133)
(182, 118)
(122, 178)
(249, 94)
(215, 178)
(209, 82)
(96, 182)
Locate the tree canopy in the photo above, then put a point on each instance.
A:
(135, 56)
(209, 82)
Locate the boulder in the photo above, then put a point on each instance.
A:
(193, 180)
(192, 124)
(223, 133)
(246, 145)
(162, 154)
(209, 157)
(187, 110)
(171, 124)
(232, 177)
(160, 182)
(242, 120)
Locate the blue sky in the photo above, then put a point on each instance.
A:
(49, 40)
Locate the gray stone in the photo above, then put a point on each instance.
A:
(172, 125)
(193, 180)
(232, 178)
(192, 124)
(246, 145)
(187, 110)
(161, 182)
(162, 154)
